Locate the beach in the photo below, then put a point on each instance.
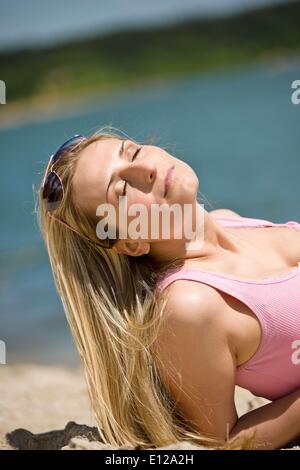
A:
(47, 407)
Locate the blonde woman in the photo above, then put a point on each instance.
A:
(165, 333)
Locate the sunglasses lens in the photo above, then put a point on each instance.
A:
(52, 192)
(52, 186)
(70, 143)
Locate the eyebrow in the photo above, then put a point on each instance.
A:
(120, 152)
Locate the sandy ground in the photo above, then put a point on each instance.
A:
(43, 407)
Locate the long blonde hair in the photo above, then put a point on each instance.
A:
(114, 316)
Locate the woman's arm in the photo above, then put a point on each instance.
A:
(195, 362)
(196, 343)
(276, 423)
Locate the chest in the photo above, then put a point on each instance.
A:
(266, 252)
(269, 252)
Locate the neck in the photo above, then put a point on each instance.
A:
(214, 242)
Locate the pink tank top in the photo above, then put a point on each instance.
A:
(274, 370)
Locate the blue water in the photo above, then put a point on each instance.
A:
(240, 132)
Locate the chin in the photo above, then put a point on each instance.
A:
(186, 190)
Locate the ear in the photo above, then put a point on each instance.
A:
(132, 247)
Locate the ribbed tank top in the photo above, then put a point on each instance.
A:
(274, 370)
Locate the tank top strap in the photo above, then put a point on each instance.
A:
(253, 296)
(243, 222)
(250, 222)
(197, 274)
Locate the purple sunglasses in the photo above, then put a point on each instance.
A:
(52, 187)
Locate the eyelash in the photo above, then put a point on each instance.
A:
(133, 158)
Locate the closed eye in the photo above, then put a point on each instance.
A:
(133, 158)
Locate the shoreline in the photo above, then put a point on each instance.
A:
(42, 108)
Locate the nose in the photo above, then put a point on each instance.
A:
(140, 174)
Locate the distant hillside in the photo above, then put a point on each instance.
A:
(125, 58)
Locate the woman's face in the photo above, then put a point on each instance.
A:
(146, 174)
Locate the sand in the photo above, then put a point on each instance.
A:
(47, 407)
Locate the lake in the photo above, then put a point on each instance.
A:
(238, 129)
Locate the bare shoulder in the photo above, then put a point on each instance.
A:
(193, 300)
(192, 303)
(224, 213)
(194, 356)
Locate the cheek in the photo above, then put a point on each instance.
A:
(144, 216)
(139, 197)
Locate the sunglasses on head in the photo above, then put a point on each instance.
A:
(52, 187)
(53, 190)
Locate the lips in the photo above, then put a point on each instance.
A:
(168, 179)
